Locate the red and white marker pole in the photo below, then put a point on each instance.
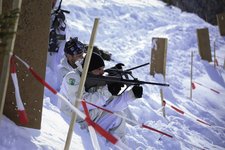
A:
(20, 108)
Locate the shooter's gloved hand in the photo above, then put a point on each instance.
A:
(114, 88)
(138, 91)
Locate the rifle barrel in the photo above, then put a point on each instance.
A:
(154, 83)
(137, 67)
(60, 3)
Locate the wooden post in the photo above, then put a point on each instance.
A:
(0, 39)
(0, 7)
(204, 44)
(82, 82)
(158, 62)
(10, 42)
(34, 20)
(162, 97)
(221, 23)
(224, 64)
(214, 58)
(158, 56)
(191, 75)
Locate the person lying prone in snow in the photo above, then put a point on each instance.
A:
(102, 95)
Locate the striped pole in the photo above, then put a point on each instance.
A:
(224, 64)
(215, 60)
(20, 107)
(191, 75)
(81, 85)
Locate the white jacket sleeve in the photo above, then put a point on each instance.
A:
(70, 86)
(98, 97)
(68, 89)
(61, 73)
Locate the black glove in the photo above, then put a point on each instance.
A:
(138, 91)
(114, 88)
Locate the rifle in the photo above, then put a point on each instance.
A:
(59, 8)
(119, 76)
(57, 26)
(128, 82)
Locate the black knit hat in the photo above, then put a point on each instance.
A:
(74, 46)
(95, 63)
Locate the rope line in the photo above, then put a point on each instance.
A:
(215, 91)
(98, 128)
(147, 127)
(142, 125)
(185, 113)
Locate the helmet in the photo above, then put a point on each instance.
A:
(74, 46)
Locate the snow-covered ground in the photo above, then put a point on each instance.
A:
(126, 30)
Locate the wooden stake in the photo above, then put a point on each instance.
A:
(224, 64)
(191, 75)
(164, 75)
(82, 82)
(214, 54)
(10, 42)
(162, 98)
(162, 102)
